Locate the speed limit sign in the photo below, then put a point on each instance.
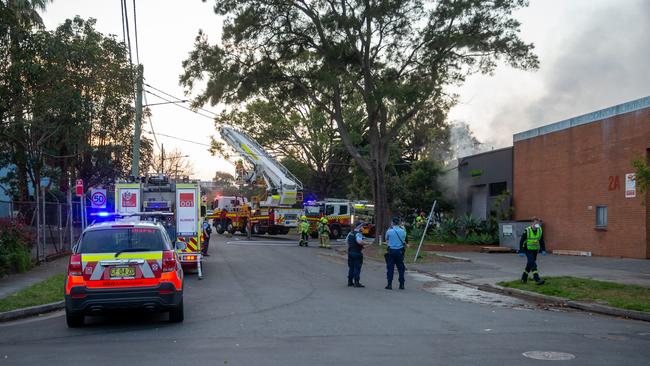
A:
(98, 198)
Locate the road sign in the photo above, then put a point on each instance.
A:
(80, 187)
(45, 181)
(98, 198)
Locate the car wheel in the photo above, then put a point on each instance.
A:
(230, 228)
(74, 320)
(177, 314)
(256, 229)
(219, 228)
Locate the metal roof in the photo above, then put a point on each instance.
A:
(616, 110)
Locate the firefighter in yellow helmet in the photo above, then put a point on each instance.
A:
(303, 228)
(323, 233)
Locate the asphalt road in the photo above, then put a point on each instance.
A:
(269, 302)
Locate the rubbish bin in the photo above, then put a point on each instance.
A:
(510, 232)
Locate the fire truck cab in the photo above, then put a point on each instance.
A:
(341, 214)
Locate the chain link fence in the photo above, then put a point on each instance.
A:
(60, 225)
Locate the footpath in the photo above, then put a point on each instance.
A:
(484, 270)
(20, 281)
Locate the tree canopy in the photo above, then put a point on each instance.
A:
(65, 103)
(396, 56)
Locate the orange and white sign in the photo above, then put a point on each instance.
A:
(187, 215)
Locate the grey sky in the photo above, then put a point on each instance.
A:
(594, 54)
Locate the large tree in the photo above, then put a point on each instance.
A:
(396, 55)
(75, 116)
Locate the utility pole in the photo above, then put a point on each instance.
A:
(162, 159)
(135, 161)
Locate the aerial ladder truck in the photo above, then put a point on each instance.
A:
(278, 207)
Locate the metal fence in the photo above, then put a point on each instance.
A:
(60, 225)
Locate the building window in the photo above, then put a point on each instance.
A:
(601, 216)
(498, 188)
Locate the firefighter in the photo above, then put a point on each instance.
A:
(532, 242)
(324, 233)
(304, 231)
(355, 257)
(419, 225)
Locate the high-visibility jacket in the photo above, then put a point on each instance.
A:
(304, 227)
(533, 237)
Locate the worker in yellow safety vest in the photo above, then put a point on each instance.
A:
(323, 233)
(532, 242)
(304, 231)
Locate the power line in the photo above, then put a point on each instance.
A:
(171, 96)
(128, 32)
(181, 139)
(135, 29)
(123, 26)
(180, 106)
(151, 124)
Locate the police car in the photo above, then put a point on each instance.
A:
(123, 265)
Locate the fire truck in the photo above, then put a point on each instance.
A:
(277, 207)
(341, 214)
(157, 194)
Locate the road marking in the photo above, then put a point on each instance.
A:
(549, 355)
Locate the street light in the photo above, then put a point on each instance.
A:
(177, 162)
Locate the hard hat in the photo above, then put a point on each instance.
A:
(303, 217)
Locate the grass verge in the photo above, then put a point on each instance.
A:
(45, 292)
(629, 297)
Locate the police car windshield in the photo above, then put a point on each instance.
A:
(115, 240)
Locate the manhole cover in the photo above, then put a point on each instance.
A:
(549, 356)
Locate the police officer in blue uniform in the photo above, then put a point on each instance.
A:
(396, 241)
(355, 257)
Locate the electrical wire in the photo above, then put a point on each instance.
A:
(181, 139)
(135, 29)
(123, 26)
(128, 32)
(180, 106)
(171, 96)
(153, 131)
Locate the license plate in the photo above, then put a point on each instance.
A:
(123, 272)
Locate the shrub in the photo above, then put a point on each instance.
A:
(15, 254)
(481, 239)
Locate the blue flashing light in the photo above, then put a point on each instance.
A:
(103, 214)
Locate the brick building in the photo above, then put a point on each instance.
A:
(574, 175)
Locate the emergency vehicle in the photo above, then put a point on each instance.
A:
(276, 209)
(181, 198)
(341, 214)
(123, 265)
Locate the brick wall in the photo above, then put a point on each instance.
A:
(562, 176)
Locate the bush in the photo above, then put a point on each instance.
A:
(15, 254)
(481, 239)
